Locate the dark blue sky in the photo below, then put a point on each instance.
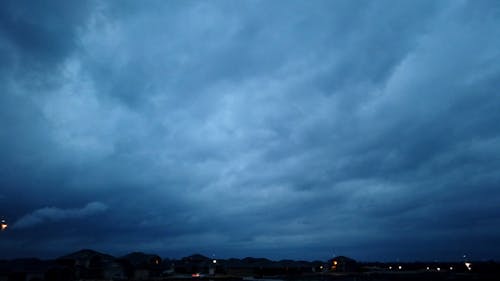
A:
(284, 129)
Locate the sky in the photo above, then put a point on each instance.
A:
(279, 129)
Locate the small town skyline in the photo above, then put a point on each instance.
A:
(88, 264)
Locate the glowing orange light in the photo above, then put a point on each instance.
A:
(3, 225)
(335, 262)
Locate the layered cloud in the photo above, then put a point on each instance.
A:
(258, 128)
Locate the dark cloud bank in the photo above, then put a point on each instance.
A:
(286, 129)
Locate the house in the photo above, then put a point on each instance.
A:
(143, 266)
(343, 264)
(193, 264)
(90, 264)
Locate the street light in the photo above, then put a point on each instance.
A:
(3, 225)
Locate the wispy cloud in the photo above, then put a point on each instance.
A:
(53, 214)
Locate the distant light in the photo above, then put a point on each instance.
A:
(335, 262)
(438, 269)
(195, 275)
(468, 265)
(390, 267)
(400, 267)
(214, 261)
(3, 225)
(320, 267)
(428, 268)
(451, 267)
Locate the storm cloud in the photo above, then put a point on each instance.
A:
(286, 129)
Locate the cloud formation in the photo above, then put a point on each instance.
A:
(53, 214)
(287, 130)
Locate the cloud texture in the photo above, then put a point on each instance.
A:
(282, 129)
(53, 214)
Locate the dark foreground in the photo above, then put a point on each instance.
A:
(92, 265)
